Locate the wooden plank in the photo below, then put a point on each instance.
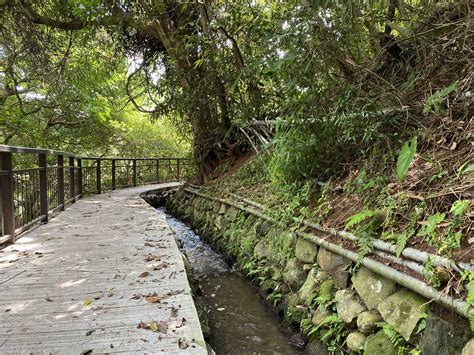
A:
(96, 248)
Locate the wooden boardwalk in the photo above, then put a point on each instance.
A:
(79, 284)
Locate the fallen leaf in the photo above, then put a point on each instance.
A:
(87, 302)
(144, 274)
(143, 325)
(153, 327)
(183, 343)
(152, 298)
(163, 327)
(181, 323)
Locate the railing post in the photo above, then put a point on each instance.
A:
(60, 160)
(72, 180)
(43, 186)
(8, 207)
(177, 170)
(113, 174)
(157, 171)
(79, 177)
(134, 179)
(98, 177)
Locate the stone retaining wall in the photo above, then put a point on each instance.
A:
(308, 284)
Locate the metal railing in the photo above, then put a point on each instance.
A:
(52, 180)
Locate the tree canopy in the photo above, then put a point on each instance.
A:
(331, 79)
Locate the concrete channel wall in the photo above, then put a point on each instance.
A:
(309, 284)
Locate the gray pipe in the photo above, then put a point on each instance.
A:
(459, 306)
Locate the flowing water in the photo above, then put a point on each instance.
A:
(239, 322)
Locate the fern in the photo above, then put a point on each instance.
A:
(402, 239)
(429, 230)
(471, 321)
(364, 245)
(359, 217)
(395, 337)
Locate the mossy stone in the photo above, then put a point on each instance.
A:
(379, 344)
(293, 274)
(403, 310)
(306, 251)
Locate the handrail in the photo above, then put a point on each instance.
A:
(30, 195)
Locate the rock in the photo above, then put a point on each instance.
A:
(348, 306)
(267, 286)
(379, 344)
(307, 267)
(356, 341)
(321, 276)
(295, 312)
(261, 250)
(306, 251)
(326, 289)
(340, 276)
(442, 338)
(308, 289)
(320, 315)
(315, 347)
(293, 274)
(232, 213)
(263, 228)
(222, 209)
(468, 348)
(329, 261)
(367, 321)
(288, 239)
(372, 288)
(216, 207)
(403, 310)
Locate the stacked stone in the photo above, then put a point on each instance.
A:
(362, 301)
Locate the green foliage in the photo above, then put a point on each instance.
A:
(359, 217)
(402, 239)
(434, 101)
(334, 334)
(429, 272)
(395, 337)
(429, 229)
(407, 153)
(459, 208)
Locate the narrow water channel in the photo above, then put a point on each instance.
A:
(240, 323)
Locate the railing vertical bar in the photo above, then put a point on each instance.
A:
(134, 178)
(61, 181)
(157, 171)
(177, 169)
(72, 181)
(98, 177)
(79, 177)
(43, 187)
(8, 208)
(113, 174)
